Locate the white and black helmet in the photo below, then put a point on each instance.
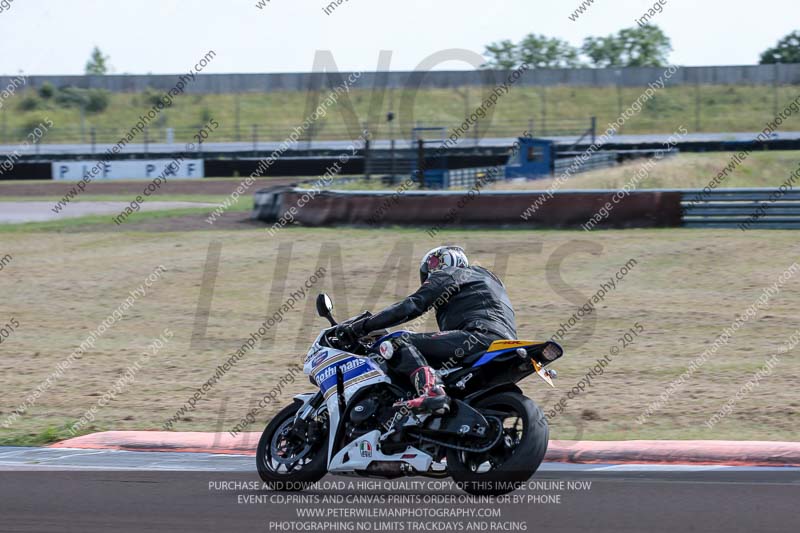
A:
(443, 256)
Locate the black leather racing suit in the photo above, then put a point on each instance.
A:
(472, 310)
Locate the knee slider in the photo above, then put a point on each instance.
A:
(406, 354)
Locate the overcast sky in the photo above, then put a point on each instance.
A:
(168, 36)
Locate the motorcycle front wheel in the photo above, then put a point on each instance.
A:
(289, 459)
(517, 454)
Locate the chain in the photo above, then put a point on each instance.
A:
(467, 448)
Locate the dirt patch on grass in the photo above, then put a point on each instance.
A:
(228, 221)
(685, 288)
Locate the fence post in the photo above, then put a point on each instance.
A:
(310, 130)
(594, 129)
(146, 139)
(697, 106)
(775, 91)
(619, 99)
(390, 118)
(93, 137)
(421, 162)
(238, 113)
(255, 138)
(83, 123)
(530, 126)
(367, 159)
(392, 164)
(544, 110)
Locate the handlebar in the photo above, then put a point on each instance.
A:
(335, 342)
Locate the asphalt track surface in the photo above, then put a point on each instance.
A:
(43, 490)
(20, 212)
(134, 187)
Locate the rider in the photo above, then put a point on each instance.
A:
(472, 311)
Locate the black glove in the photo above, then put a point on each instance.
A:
(350, 333)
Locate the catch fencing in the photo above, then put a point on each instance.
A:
(594, 161)
(251, 134)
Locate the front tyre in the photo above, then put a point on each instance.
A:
(516, 456)
(291, 458)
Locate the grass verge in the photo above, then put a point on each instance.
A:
(683, 171)
(702, 108)
(686, 287)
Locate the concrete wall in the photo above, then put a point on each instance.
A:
(628, 77)
(448, 209)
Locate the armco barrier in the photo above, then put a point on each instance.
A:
(761, 208)
(443, 209)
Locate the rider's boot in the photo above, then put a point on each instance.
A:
(431, 395)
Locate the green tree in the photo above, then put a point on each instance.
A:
(537, 51)
(645, 46)
(47, 90)
(541, 51)
(502, 55)
(603, 51)
(786, 51)
(97, 64)
(91, 100)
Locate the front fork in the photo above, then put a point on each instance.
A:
(304, 427)
(311, 402)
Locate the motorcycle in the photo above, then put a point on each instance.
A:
(491, 440)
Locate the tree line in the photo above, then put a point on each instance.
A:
(643, 46)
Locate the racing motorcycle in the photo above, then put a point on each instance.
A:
(491, 440)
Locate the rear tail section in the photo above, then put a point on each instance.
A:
(541, 352)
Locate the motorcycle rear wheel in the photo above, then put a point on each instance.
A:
(516, 456)
(286, 461)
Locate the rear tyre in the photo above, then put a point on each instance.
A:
(289, 459)
(515, 457)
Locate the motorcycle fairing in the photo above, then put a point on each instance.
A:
(357, 372)
(498, 348)
(359, 453)
(354, 368)
(388, 336)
